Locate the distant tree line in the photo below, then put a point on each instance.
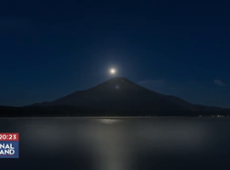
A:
(69, 111)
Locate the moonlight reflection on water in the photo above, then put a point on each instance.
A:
(120, 144)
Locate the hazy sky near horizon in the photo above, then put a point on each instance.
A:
(52, 48)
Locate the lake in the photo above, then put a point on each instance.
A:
(163, 143)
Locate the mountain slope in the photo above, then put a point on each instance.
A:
(122, 94)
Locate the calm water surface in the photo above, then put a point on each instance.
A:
(120, 144)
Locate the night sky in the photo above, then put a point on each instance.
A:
(49, 49)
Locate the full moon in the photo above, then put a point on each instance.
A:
(112, 71)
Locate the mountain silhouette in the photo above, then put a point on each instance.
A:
(117, 96)
(121, 93)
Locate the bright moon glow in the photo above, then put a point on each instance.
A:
(112, 71)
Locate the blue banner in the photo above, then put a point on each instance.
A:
(9, 149)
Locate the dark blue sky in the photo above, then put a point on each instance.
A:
(52, 48)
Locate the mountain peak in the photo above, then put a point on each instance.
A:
(117, 83)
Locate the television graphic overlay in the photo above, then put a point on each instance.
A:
(9, 145)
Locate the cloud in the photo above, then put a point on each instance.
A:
(219, 82)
